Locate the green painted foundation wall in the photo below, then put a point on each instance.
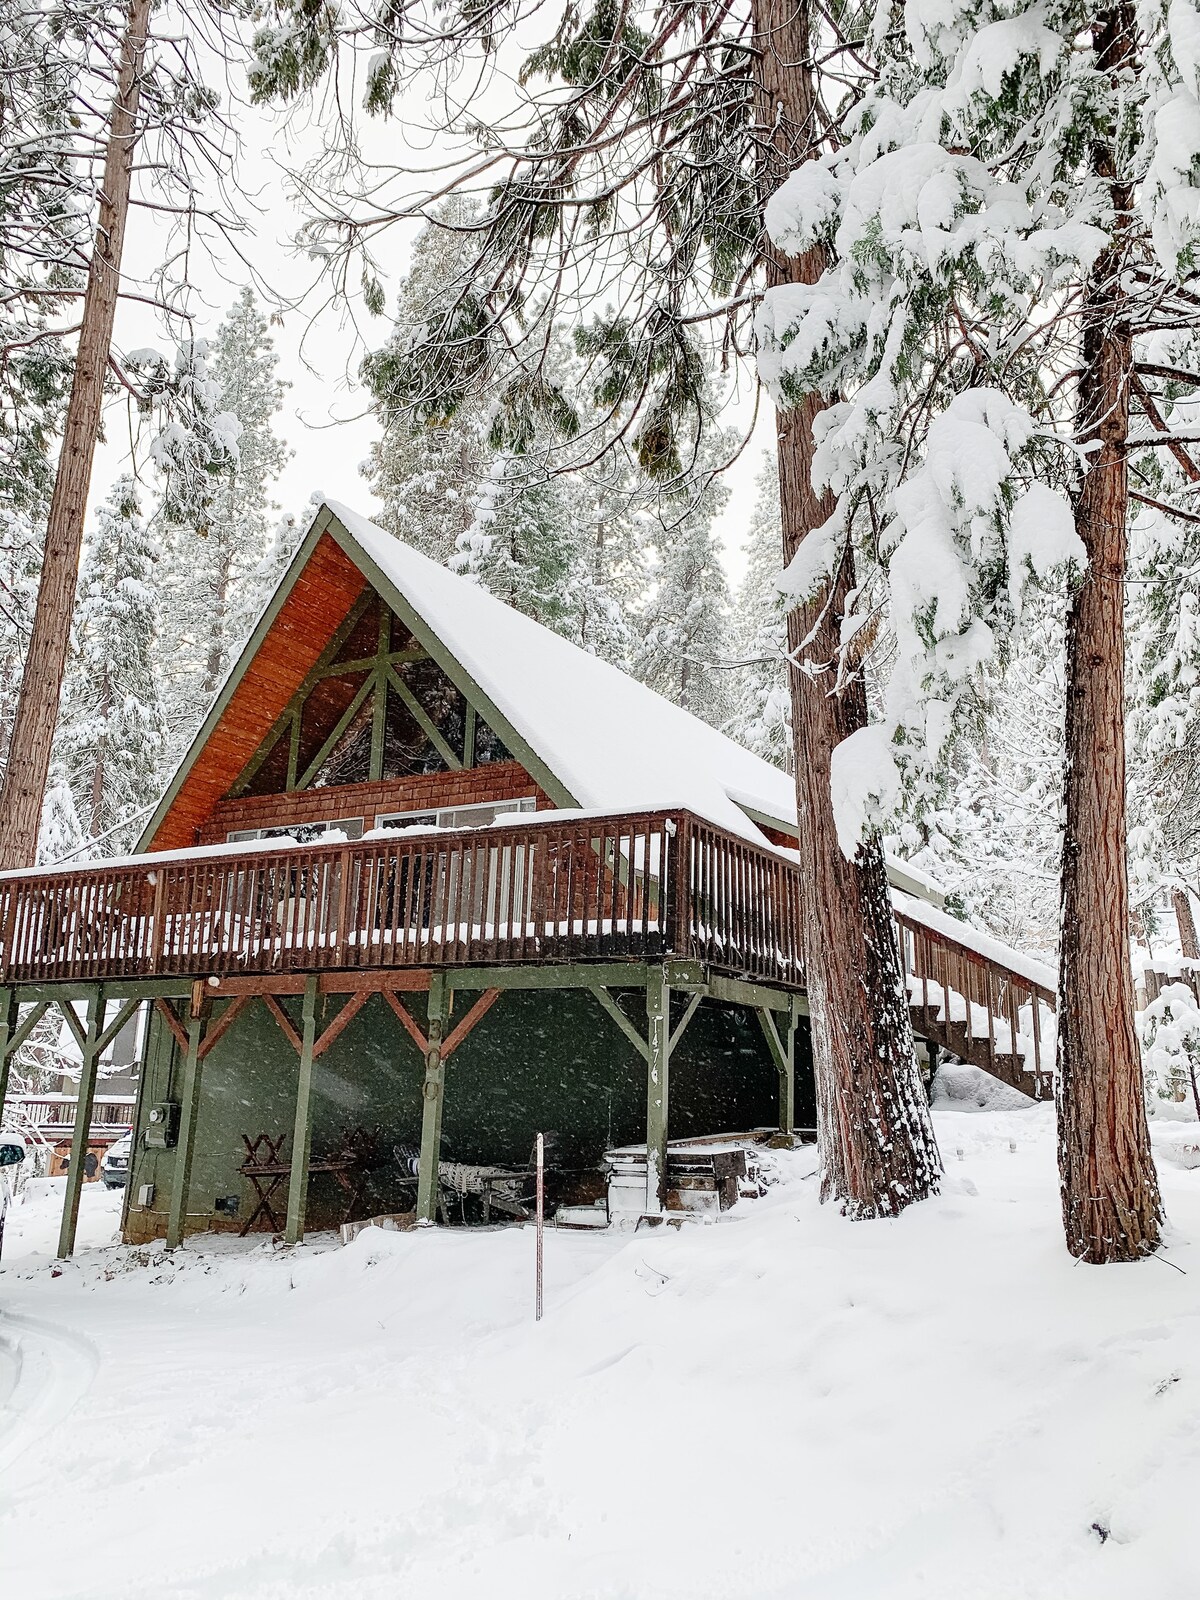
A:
(539, 1060)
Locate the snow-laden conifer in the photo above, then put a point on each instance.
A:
(114, 727)
(1009, 224)
(760, 714)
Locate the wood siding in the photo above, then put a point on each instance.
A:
(500, 781)
(318, 603)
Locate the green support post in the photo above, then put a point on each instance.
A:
(83, 1123)
(189, 1114)
(302, 1133)
(783, 1054)
(658, 1068)
(433, 1090)
(8, 1023)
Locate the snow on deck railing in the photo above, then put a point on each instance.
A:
(569, 886)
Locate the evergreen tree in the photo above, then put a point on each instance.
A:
(61, 835)
(428, 464)
(625, 168)
(685, 627)
(1010, 228)
(136, 125)
(760, 714)
(521, 545)
(994, 841)
(114, 726)
(221, 523)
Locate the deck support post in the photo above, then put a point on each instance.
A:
(83, 1122)
(658, 1068)
(783, 1054)
(433, 1090)
(8, 1024)
(189, 1115)
(297, 1206)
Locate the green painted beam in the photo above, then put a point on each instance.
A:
(185, 1149)
(379, 677)
(343, 722)
(20, 1033)
(433, 1094)
(291, 712)
(118, 1022)
(689, 975)
(439, 652)
(688, 1014)
(658, 1079)
(9, 1012)
(389, 658)
(297, 1206)
(553, 975)
(83, 1123)
(737, 992)
(621, 1020)
(45, 994)
(72, 1021)
(424, 721)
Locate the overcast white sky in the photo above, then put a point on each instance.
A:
(325, 418)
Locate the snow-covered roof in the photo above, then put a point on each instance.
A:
(613, 744)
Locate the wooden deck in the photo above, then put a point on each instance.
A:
(635, 887)
(650, 886)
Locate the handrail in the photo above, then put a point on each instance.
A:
(1001, 1008)
(640, 885)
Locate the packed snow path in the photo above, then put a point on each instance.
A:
(781, 1405)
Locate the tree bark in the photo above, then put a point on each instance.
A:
(1110, 1198)
(37, 705)
(1189, 946)
(878, 1152)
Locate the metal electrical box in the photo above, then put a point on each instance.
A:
(162, 1126)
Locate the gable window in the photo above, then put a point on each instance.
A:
(480, 816)
(301, 832)
(376, 706)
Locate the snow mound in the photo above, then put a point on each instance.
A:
(957, 1086)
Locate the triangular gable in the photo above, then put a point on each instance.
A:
(324, 583)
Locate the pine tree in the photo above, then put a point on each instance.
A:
(994, 841)
(428, 464)
(114, 725)
(221, 522)
(1008, 228)
(137, 125)
(760, 714)
(61, 836)
(625, 169)
(685, 626)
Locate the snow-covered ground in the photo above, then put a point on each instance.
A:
(784, 1404)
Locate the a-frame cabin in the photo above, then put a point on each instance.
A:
(431, 880)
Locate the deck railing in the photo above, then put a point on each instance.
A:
(640, 886)
(998, 1007)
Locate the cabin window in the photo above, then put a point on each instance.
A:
(456, 816)
(301, 832)
(376, 707)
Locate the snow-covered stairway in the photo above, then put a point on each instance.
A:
(977, 998)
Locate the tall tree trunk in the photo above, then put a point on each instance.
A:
(41, 684)
(878, 1152)
(1189, 946)
(1110, 1198)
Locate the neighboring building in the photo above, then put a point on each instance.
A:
(432, 880)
